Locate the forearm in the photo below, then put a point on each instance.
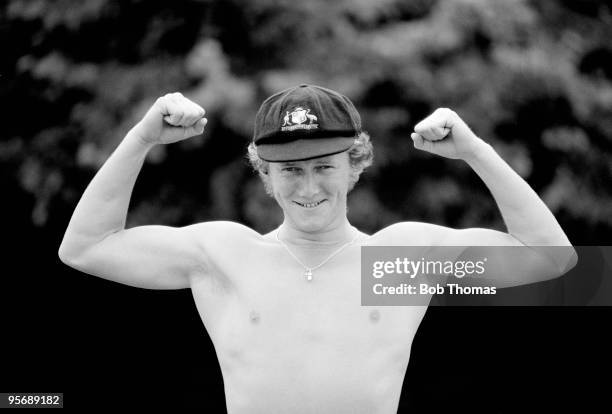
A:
(103, 207)
(526, 216)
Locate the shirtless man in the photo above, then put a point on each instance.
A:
(283, 309)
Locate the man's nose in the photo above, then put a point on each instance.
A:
(310, 185)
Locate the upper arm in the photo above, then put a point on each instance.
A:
(152, 257)
(507, 261)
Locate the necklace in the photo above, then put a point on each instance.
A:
(308, 270)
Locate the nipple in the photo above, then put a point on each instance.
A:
(254, 316)
(374, 315)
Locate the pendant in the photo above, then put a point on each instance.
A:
(308, 274)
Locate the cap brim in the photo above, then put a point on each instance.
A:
(304, 149)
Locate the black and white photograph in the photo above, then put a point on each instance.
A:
(309, 207)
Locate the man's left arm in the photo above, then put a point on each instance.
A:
(528, 220)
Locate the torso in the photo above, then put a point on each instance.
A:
(288, 345)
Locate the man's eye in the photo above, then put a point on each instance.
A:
(325, 167)
(289, 169)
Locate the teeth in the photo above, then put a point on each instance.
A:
(310, 205)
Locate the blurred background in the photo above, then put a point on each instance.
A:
(534, 79)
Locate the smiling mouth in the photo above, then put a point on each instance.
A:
(309, 205)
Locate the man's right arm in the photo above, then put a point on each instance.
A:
(96, 241)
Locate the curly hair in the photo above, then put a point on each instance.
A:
(361, 155)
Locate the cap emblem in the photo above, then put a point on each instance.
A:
(299, 118)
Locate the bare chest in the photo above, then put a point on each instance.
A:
(275, 330)
(271, 300)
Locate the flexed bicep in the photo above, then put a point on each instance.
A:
(151, 257)
(501, 259)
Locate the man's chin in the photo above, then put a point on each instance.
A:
(309, 221)
(309, 224)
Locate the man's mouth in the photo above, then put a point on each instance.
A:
(309, 205)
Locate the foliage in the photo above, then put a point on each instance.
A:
(532, 78)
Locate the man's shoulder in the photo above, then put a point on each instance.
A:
(411, 233)
(222, 231)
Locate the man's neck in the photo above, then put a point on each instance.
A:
(337, 234)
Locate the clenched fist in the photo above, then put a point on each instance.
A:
(172, 118)
(444, 133)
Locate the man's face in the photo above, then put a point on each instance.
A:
(312, 193)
